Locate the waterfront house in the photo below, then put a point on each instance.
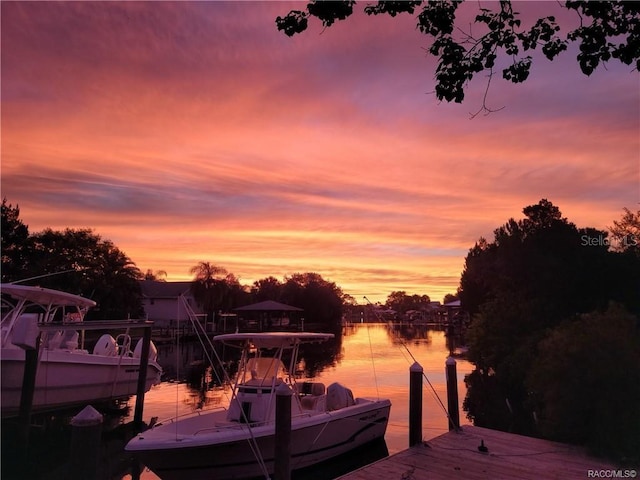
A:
(164, 303)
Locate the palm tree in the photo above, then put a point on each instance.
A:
(158, 275)
(209, 286)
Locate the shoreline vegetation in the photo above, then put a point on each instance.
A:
(554, 330)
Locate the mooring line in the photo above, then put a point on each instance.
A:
(199, 329)
(424, 375)
(373, 363)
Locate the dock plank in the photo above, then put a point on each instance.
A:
(455, 455)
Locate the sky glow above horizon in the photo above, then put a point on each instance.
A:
(187, 132)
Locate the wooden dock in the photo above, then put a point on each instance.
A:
(455, 455)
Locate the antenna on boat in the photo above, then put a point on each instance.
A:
(46, 275)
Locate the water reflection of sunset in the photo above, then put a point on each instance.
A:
(387, 375)
(391, 362)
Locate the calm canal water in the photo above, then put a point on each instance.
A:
(372, 360)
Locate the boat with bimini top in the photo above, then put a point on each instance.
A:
(67, 374)
(239, 441)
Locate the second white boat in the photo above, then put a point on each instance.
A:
(239, 442)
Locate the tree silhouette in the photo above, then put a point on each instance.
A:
(586, 383)
(320, 299)
(157, 276)
(15, 235)
(626, 233)
(268, 288)
(209, 286)
(402, 303)
(450, 297)
(607, 30)
(94, 268)
(73, 260)
(537, 273)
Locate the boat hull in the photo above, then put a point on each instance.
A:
(71, 378)
(228, 454)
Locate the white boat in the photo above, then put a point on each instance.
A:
(239, 442)
(67, 374)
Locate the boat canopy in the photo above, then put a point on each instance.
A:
(45, 296)
(272, 339)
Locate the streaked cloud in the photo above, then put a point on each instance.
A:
(189, 132)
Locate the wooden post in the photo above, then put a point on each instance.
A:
(452, 393)
(86, 435)
(26, 395)
(142, 379)
(415, 404)
(282, 454)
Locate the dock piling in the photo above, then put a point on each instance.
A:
(28, 390)
(142, 379)
(282, 454)
(86, 436)
(452, 394)
(415, 404)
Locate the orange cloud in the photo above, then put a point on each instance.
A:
(196, 132)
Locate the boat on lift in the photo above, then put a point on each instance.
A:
(239, 441)
(67, 374)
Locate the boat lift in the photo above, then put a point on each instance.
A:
(31, 366)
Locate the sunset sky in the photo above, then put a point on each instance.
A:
(188, 132)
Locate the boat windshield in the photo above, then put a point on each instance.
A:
(263, 370)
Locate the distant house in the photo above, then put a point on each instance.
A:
(163, 304)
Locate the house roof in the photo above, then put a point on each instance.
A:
(268, 306)
(155, 289)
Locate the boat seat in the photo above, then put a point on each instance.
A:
(55, 341)
(310, 388)
(70, 340)
(314, 402)
(312, 395)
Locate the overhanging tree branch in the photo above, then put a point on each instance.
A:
(613, 33)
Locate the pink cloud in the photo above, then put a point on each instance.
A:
(195, 131)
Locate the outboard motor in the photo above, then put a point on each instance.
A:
(106, 346)
(153, 351)
(338, 396)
